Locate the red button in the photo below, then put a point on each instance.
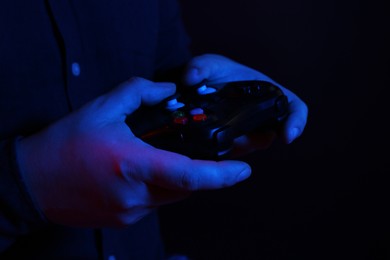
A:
(199, 118)
(180, 120)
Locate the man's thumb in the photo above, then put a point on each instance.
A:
(130, 95)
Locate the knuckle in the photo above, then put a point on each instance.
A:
(136, 80)
(190, 182)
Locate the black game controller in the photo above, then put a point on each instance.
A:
(203, 121)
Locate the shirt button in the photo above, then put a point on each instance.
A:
(75, 69)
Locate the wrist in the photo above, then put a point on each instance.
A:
(28, 172)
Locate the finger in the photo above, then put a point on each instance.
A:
(208, 66)
(174, 171)
(146, 195)
(129, 96)
(216, 68)
(131, 216)
(296, 118)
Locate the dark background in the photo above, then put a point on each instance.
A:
(325, 196)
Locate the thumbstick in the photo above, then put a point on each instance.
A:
(173, 104)
(204, 90)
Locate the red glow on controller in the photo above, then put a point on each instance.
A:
(180, 120)
(199, 117)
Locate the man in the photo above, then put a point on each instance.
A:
(75, 181)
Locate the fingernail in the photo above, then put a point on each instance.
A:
(293, 134)
(244, 174)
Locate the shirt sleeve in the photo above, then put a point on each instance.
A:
(18, 215)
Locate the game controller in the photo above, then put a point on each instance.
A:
(202, 121)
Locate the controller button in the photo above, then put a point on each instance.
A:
(178, 113)
(173, 104)
(257, 89)
(248, 90)
(204, 90)
(199, 118)
(180, 120)
(196, 111)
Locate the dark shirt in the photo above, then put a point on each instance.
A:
(56, 55)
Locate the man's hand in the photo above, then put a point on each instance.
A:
(214, 68)
(89, 170)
